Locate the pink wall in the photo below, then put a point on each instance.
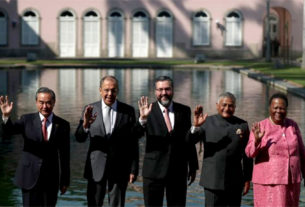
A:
(253, 14)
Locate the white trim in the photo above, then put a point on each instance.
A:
(201, 30)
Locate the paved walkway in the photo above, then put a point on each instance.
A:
(280, 84)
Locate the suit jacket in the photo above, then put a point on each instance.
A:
(278, 159)
(168, 154)
(224, 161)
(117, 154)
(50, 158)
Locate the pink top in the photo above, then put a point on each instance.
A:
(280, 151)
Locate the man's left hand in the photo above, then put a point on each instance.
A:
(132, 178)
(63, 189)
(246, 187)
(191, 177)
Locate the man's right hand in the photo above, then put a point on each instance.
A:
(88, 117)
(144, 107)
(199, 117)
(6, 106)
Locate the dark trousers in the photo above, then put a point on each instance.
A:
(174, 188)
(38, 197)
(96, 192)
(45, 191)
(220, 198)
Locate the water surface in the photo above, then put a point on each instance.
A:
(75, 88)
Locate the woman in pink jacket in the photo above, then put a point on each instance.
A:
(278, 149)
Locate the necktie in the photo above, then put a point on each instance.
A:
(167, 120)
(107, 120)
(44, 129)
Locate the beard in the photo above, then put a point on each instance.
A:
(165, 102)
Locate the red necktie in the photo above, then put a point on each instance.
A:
(44, 129)
(167, 120)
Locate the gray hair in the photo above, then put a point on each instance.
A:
(109, 77)
(45, 90)
(227, 95)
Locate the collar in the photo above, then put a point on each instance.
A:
(170, 107)
(230, 120)
(50, 118)
(114, 106)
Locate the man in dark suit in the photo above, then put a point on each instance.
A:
(226, 170)
(169, 160)
(113, 154)
(45, 164)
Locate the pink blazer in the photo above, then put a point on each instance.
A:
(280, 151)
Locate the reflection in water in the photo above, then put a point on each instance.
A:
(77, 87)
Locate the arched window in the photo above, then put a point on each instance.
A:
(201, 29)
(115, 34)
(67, 36)
(233, 29)
(140, 34)
(30, 28)
(3, 28)
(91, 34)
(164, 34)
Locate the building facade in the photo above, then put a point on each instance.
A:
(149, 28)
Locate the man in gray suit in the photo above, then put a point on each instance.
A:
(113, 153)
(45, 164)
(226, 170)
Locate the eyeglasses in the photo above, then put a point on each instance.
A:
(163, 89)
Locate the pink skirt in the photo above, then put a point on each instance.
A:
(276, 195)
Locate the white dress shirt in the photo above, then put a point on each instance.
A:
(170, 113)
(113, 112)
(49, 123)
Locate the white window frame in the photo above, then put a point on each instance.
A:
(237, 24)
(145, 21)
(63, 19)
(201, 29)
(95, 19)
(115, 20)
(30, 29)
(159, 22)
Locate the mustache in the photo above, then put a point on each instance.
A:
(167, 96)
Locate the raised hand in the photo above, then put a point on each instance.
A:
(144, 107)
(6, 106)
(88, 117)
(199, 117)
(258, 134)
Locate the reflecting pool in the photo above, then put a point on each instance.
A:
(75, 88)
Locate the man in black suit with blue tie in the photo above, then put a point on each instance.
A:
(113, 156)
(44, 167)
(169, 160)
